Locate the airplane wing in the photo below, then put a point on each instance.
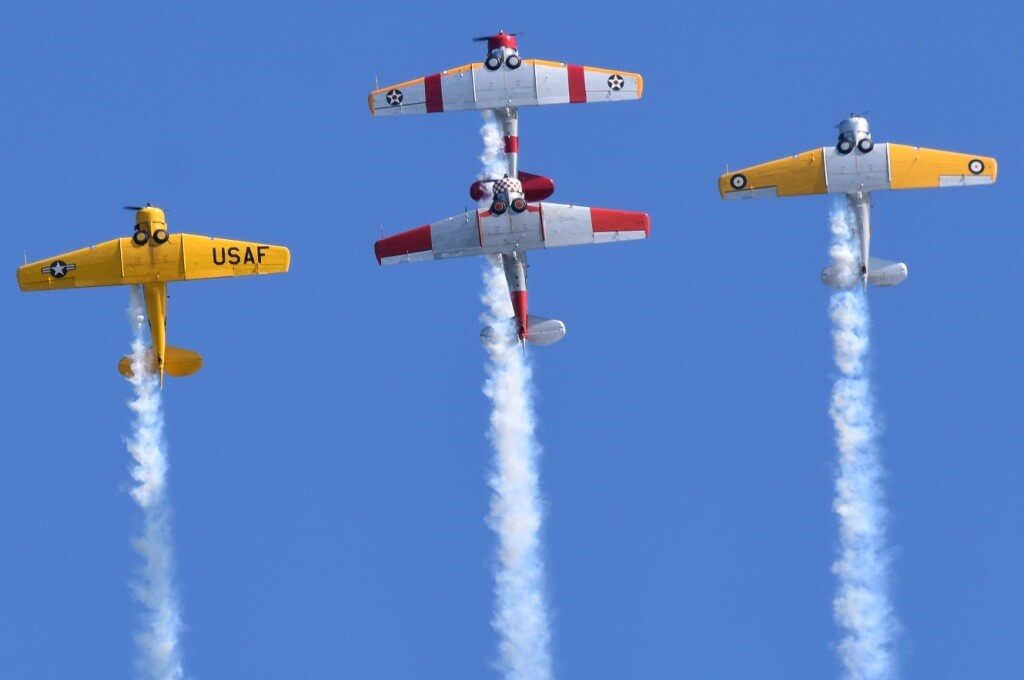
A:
(542, 225)
(796, 175)
(183, 257)
(886, 166)
(535, 82)
(911, 167)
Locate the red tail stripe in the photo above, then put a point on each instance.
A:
(413, 241)
(432, 88)
(619, 220)
(519, 305)
(577, 85)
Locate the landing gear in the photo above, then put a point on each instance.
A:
(140, 238)
(865, 145)
(844, 146)
(493, 62)
(518, 205)
(160, 236)
(498, 207)
(513, 61)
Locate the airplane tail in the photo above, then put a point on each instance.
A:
(880, 273)
(178, 362)
(540, 331)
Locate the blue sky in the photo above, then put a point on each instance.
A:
(329, 461)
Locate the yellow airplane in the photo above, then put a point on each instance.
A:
(152, 258)
(857, 166)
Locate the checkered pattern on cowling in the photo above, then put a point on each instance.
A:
(508, 184)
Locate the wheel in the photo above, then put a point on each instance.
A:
(493, 62)
(498, 207)
(976, 167)
(513, 61)
(865, 145)
(738, 181)
(844, 146)
(140, 238)
(518, 205)
(160, 236)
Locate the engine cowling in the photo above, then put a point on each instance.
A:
(535, 188)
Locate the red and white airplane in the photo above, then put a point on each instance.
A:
(518, 219)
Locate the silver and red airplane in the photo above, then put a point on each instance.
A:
(518, 218)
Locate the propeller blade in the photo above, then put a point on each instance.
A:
(136, 208)
(485, 38)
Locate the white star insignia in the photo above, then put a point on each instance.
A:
(615, 81)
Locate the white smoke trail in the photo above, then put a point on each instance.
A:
(160, 656)
(495, 165)
(520, 617)
(862, 607)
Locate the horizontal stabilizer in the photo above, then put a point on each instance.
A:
(880, 273)
(545, 331)
(540, 331)
(840, 277)
(886, 273)
(178, 362)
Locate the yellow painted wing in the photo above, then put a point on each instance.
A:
(99, 265)
(183, 257)
(911, 167)
(204, 257)
(796, 175)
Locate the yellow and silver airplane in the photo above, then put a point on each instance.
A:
(856, 166)
(153, 257)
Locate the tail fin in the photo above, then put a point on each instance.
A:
(178, 362)
(540, 331)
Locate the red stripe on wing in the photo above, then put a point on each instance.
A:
(577, 86)
(413, 241)
(432, 87)
(619, 220)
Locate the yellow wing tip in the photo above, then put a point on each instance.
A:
(723, 185)
(994, 164)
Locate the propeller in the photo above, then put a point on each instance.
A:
(137, 208)
(485, 38)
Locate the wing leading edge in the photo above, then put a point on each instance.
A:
(542, 225)
(536, 82)
(886, 166)
(183, 257)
